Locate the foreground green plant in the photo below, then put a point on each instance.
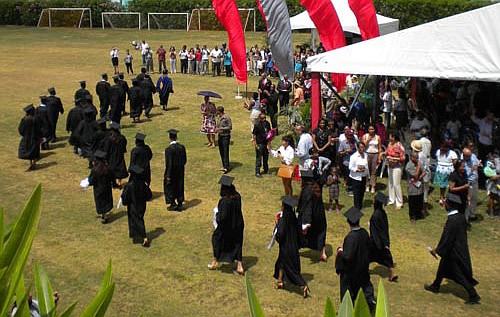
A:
(15, 245)
(346, 309)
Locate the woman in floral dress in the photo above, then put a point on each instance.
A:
(208, 124)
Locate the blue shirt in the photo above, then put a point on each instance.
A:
(472, 176)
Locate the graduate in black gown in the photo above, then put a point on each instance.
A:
(100, 136)
(173, 178)
(102, 89)
(148, 89)
(101, 179)
(227, 238)
(87, 103)
(453, 249)
(312, 216)
(135, 196)
(82, 92)
(352, 260)
(55, 107)
(141, 155)
(116, 147)
(84, 135)
(137, 99)
(117, 98)
(380, 243)
(42, 116)
(29, 129)
(123, 83)
(289, 235)
(75, 115)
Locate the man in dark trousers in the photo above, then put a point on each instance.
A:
(164, 87)
(42, 116)
(117, 95)
(379, 236)
(223, 129)
(259, 139)
(148, 89)
(264, 85)
(173, 182)
(82, 92)
(453, 249)
(54, 107)
(284, 89)
(141, 155)
(136, 97)
(123, 83)
(102, 90)
(352, 260)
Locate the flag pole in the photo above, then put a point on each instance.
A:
(238, 96)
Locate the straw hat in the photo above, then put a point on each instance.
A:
(416, 145)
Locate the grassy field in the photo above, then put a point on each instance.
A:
(171, 278)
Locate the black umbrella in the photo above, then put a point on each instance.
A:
(209, 94)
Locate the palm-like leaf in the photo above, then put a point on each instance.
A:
(361, 308)
(329, 308)
(382, 309)
(253, 302)
(100, 303)
(345, 309)
(44, 292)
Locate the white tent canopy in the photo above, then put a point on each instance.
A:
(461, 47)
(347, 20)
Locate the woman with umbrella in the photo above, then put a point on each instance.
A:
(208, 111)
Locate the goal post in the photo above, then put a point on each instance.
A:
(65, 17)
(168, 20)
(121, 20)
(205, 19)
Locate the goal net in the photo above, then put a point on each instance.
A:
(167, 20)
(121, 20)
(65, 17)
(205, 19)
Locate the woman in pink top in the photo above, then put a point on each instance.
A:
(395, 155)
(373, 146)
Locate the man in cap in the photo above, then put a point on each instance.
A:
(173, 182)
(123, 83)
(380, 243)
(54, 107)
(164, 87)
(82, 92)
(102, 89)
(259, 140)
(84, 134)
(141, 155)
(455, 263)
(117, 97)
(148, 89)
(75, 116)
(29, 146)
(42, 116)
(352, 260)
(136, 97)
(223, 129)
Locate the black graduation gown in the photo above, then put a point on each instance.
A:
(175, 160)
(141, 155)
(227, 239)
(136, 97)
(288, 235)
(117, 98)
(135, 195)
(125, 89)
(148, 89)
(75, 116)
(116, 147)
(29, 146)
(81, 93)
(379, 239)
(42, 116)
(102, 90)
(311, 210)
(352, 265)
(103, 192)
(54, 107)
(453, 249)
(84, 133)
(100, 137)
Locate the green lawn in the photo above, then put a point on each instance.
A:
(171, 278)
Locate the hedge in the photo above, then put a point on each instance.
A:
(409, 12)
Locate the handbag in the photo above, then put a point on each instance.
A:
(286, 171)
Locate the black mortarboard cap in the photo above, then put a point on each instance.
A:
(104, 75)
(82, 82)
(226, 180)
(43, 97)
(136, 169)
(51, 89)
(353, 214)
(100, 154)
(306, 174)
(88, 110)
(454, 199)
(140, 136)
(291, 201)
(29, 108)
(381, 198)
(115, 125)
(172, 132)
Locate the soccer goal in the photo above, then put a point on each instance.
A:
(167, 20)
(205, 19)
(121, 20)
(65, 17)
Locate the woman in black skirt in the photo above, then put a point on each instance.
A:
(414, 173)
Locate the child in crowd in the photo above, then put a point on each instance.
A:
(332, 181)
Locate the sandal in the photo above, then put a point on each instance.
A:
(323, 258)
(213, 266)
(279, 285)
(306, 291)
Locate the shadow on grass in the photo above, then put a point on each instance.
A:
(191, 203)
(126, 126)
(381, 271)
(368, 203)
(291, 288)
(41, 166)
(62, 138)
(314, 255)
(46, 154)
(152, 235)
(248, 262)
(152, 115)
(453, 288)
(172, 108)
(381, 186)
(156, 195)
(235, 165)
(57, 146)
(116, 215)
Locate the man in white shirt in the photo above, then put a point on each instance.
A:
(358, 171)
(216, 55)
(303, 147)
(204, 60)
(485, 144)
(144, 51)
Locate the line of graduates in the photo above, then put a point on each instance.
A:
(38, 127)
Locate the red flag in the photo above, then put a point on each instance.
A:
(326, 20)
(365, 13)
(228, 15)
